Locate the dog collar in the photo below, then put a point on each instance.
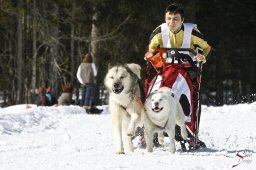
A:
(137, 99)
(162, 128)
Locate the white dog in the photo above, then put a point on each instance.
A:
(163, 112)
(125, 103)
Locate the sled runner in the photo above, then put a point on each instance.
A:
(176, 68)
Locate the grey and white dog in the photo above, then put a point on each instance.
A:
(122, 82)
(163, 112)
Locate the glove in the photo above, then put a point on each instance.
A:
(200, 58)
(150, 54)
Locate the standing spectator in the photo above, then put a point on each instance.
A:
(86, 75)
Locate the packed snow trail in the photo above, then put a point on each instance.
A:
(66, 138)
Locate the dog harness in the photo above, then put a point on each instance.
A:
(136, 99)
(139, 99)
(141, 85)
(162, 128)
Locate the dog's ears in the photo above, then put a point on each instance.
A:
(152, 93)
(116, 64)
(110, 65)
(135, 68)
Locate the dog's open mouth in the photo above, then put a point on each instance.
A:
(118, 90)
(157, 109)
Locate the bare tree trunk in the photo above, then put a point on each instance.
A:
(72, 43)
(4, 77)
(19, 49)
(54, 54)
(12, 91)
(95, 33)
(34, 52)
(79, 54)
(94, 46)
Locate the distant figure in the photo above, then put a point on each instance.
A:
(86, 75)
(50, 97)
(66, 96)
(41, 98)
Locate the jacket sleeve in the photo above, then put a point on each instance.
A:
(198, 40)
(78, 75)
(94, 69)
(155, 39)
(203, 45)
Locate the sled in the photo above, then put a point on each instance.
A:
(176, 68)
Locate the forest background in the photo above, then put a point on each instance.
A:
(42, 43)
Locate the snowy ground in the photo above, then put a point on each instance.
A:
(61, 138)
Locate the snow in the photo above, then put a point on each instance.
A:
(66, 138)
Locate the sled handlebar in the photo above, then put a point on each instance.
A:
(181, 54)
(159, 55)
(181, 50)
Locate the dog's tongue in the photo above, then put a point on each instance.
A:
(156, 109)
(118, 90)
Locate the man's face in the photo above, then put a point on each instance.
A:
(173, 21)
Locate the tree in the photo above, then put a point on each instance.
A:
(19, 52)
(42, 41)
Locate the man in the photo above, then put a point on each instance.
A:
(174, 33)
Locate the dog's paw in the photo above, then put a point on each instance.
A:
(120, 151)
(184, 133)
(131, 150)
(172, 149)
(130, 132)
(149, 149)
(161, 141)
(161, 138)
(184, 136)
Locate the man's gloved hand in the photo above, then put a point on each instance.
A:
(150, 54)
(200, 58)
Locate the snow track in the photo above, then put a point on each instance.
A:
(65, 137)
